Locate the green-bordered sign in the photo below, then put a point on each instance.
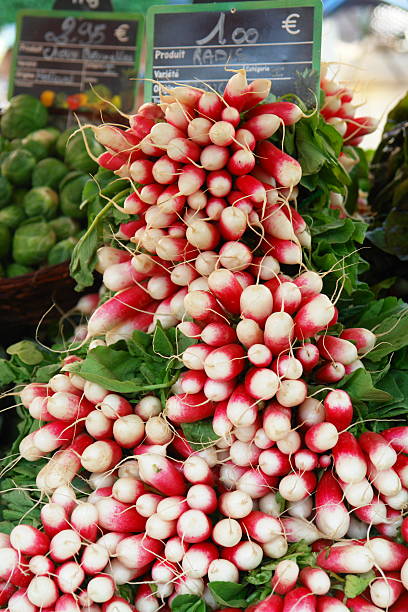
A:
(279, 40)
(73, 59)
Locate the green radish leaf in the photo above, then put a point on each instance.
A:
(356, 584)
(228, 594)
(27, 351)
(162, 346)
(199, 434)
(261, 577)
(359, 386)
(188, 603)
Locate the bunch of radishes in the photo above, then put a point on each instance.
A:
(212, 250)
(339, 111)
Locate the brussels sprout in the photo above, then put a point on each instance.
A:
(18, 195)
(15, 269)
(24, 115)
(42, 202)
(16, 143)
(12, 216)
(61, 251)
(5, 191)
(62, 141)
(18, 167)
(41, 142)
(76, 155)
(64, 227)
(49, 172)
(5, 241)
(71, 196)
(32, 242)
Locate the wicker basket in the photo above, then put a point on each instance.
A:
(25, 299)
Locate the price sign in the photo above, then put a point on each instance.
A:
(73, 59)
(280, 41)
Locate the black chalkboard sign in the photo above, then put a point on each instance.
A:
(72, 60)
(277, 40)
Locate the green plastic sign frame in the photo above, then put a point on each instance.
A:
(94, 18)
(289, 15)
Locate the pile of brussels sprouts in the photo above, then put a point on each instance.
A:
(42, 174)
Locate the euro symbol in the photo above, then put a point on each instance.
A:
(121, 32)
(290, 23)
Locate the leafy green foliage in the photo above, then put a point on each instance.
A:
(388, 195)
(29, 362)
(228, 594)
(199, 434)
(136, 366)
(99, 196)
(188, 603)
(356, 584)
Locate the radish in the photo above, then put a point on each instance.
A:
(342, 558)
(297, 486)
(193, 526)
(256, 303)
(397, 437)
(117, 516)
(272, 603)
(284, 168)
(321, 437)
(287, 111)
(285, 576)
(198, 131)
(249, 332)
(273, 462)
(290, 444)
(241, 408)
(64, 545)
(276, 548)
(261, 383)
(330, 372)
(235, 89)
(363, 339)
(94, 559)
(373, 513)
(161, 473)
(311, 412)
(276, 422)
(84, 519)
(235, 256)
(279, 331)
(314, 316)
(202, 497)
(332, 517)
(299, 600)
(117, 309)
(377, 448)
(101, 456)
(385, 591)
(358, 493)
(40, 565)
(338, 409)
(291, 392)
(69, 576)
(245, 555)
(221, 569)
(226, 288)
(224, 363)
(349, 461)
(337, 349)
(308, 355)
(305, 460)
(29, 540)
(218, 333)
(198, 558)
(255, 483)
(389, 556)
(210, 105)
(325, 603)
(260, 526)
(68, 407)
(65, 464)
(301, 509)
(213, 157)
(101, 588)
(188, 408)
(386, 482)
(13, 567)
(137, 551)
